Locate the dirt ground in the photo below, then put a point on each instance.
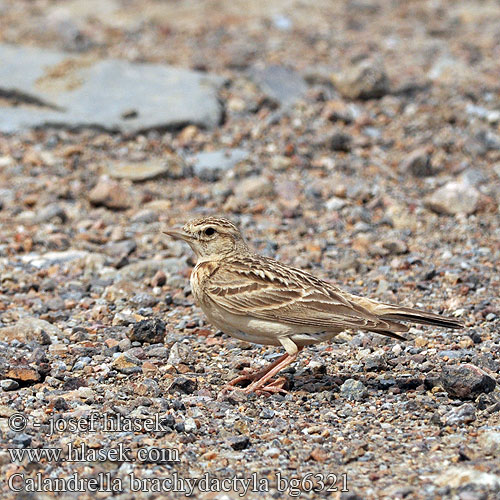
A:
(369, 143)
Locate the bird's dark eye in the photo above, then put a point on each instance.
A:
(209, 231)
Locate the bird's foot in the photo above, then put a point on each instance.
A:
(274, 387)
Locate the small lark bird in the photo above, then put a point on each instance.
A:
(260, 300)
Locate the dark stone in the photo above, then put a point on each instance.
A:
(22, 440)
(339, 141)
(239, 442)
(168, 421)
(466, 381)
(418, 163)
(184, 385)
(375, 362)
(148, 330)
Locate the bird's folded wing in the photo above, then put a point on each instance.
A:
(255, 293)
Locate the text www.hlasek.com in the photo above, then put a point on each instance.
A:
(105, 482)
(83, 453)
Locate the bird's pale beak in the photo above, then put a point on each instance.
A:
(178, 234)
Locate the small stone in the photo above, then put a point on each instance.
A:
(254, 187)
(145, 216)
(418, 163)
(267, 413)
(30, 329)
(148, 387)
(239, 442)
(467, 477)
(184, 385)
(490, 443)
(466, 381)
(395, 246)
(339, 141)
(148, 330)
(51, 213)
(335, 203)
(159, 279)
(110, 194)
(272, 452)
(353, 390)
(190, 425)
(9, 385)
(22, 440)
(464, 414)
(366, 80)
(454, 198)
(144, 300)
(127, 364)
(375, 362)
(180, 353)
(282, 85)
(119, 249)
(317, 367)
(319, 454)
(421, 342)
(139, 171)
(211, 165)
(23, 374)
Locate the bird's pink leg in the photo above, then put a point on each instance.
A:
(255, 375)
(259, 384)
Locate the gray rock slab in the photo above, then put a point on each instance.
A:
(210, 165)
(70, 91)
(281, 84)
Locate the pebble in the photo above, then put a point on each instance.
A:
(267, 413)
(180, 353)
(9, 385)
(183, 385)
(212, 165)
(139, 171)
(365, 80)
(464, 414)
(253, 187)
(467, 477)
(490, 443)
(110, 194)
(22, 440)
(239, 442)
(466, 381)
(190, 425)
(454, 198)
(334, 204)
(353, 390)
(121, 248)
(23, 374)
(148, 330)
(30, 329)
(418, 163)
(127, 364)
(281, 84)
(339, 141)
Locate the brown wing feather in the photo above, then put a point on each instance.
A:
(275, 292)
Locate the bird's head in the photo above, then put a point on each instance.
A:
(211, 237)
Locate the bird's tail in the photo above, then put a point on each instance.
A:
(389, 312)
(421, 317)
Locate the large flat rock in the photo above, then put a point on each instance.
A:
(64, 90)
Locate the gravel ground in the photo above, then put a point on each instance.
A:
(361, 141)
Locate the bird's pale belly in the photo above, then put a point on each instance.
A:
(265, 332)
